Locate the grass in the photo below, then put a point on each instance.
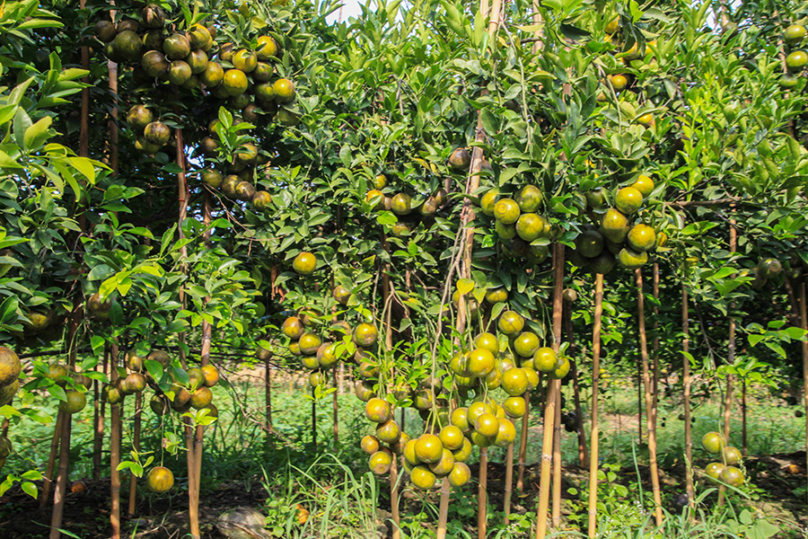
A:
(330, 493)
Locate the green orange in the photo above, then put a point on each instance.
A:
(530, 226)
(284, 90)
(160, 479)
(631, 259)
(628, 200)
(614, 225)
(488, 201)
(428, 448)
(487, 341)
(507, 211)
(529, 198)
(511, 323)
(526, 344)
(641, 238)
(480, 362)
(305, 263)
(544, 360)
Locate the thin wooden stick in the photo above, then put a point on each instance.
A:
(60, 491)
(576, 390)
(268, 395)
(99, 413)
(54, 450)
(727, 414)
(686, 382)
(520, 481)
(336, 411)
(646, 375)
(655, 346)
(804, 323)
(554, 387)
(593, 453)
(136, 446)
(115, 448)
(508, 482)
(744, 448)
(482, 495)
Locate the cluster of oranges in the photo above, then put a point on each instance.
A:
(619, 238)
(726, 470)
(408, 212)
(240, 173)
(797, 58)
(521, 229)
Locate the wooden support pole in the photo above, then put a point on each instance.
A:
(482, 495)
(54, 450)
(593, 452)
(576, 390)
(686, 382)
(804, 323)
(136, 446)
(553, 389)
(508, 483)
(646, 375)
(115, 448)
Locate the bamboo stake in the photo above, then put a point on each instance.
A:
(508, 482)
(268, 395)
(54, 450)
(804, 323)
(727, 414)
(136, 447)
(646, 375)
(553, 389)
(336, 412)
(655, 380)
(593, 454)
(576, 390)
(115, 448)
(388, 335)
(99, 413)
(61, 479)
(482, 495)
(744, 449)
(639, 399)
(313, 420)
(686, 382)
(520, 481)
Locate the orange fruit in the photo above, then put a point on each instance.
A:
(451, 437)
(480, 440)
(378, 410)
(619, 82)
(488, 201)
(732, 476)
(511, 323)
(160, 479)
(428, 448)
(630, 259)
(365, 335)
(642, 238)
(422, 477)
(460, 158)
(515, 406)
(589, 243)
(388, 432)
(487, 425)
(234, 82)
(614, 225)
(444, 466)
(293, 328)
(544, 360)
(244, 60)
(496, 295)
(309, 343)
(530, 226)
(493, 379)
(506, 211)
(628, 200)
(460, 418)
(561, 370)
(712, 442)
(380, 462)
(284, 90)
(505, 232)
(526, 344)
(75, 403)
(459, 475)
(201, 398)
(487, 341)
(514, 382)
(713, 470)
(795, 61)
(506, 433)
(304, 263)
(159, 405)
(267, 48)
(464, 452)
(529, 198)
(480, 362)
(792, 35)
(732, 457)
(476, 409)
(402, 204)
(10, 366)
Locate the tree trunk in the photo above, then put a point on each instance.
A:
(593, 453)
(115, 451)
(650, 419)
(54, 450)
(686, 385)
(553, 389)
(136, 447)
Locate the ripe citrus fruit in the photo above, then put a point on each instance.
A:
(589, 243)
(464, 452)
(460, 474)
(488, 201)
(514, 406)
(234, 82)
(10, 366)
(388, 432)
(614, 225)
(506, 433)
(244, 60)
(544, 360)
(75, 403)
(201, 398)
(378, 410)
(712, 442)
(794, 34)
(451, 437)
(561, 370)
(380, 462)
(292, 327)
(732, 456)
(428, 448)
(514, 382)
(505, 232)
(487, 341)
(732, 476)
(444, 466)
(511, 323)
(480, 362)
(644, 184)
(460, 418)
(309, 343)
(365, 335)
(619, 82)
(713, 470)
(795, 61)
(506, 211)
(160, 479)
(526, 344)
(630, 259)
(304, 263)
(284, 90)
(642, 238)
(530, 226)
(529, 198)
(460, 158)
(422, 477)
(628, 200)
(496, 295)
(402, 204)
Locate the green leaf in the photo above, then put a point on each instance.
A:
(37, 134)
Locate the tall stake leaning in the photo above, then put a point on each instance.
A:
(649, 397)
(554, 387)
(593, 451)
(468, 215)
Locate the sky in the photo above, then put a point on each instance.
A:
(350, 8)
